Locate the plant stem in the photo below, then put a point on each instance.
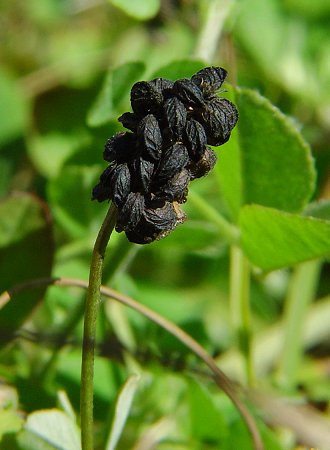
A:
(216, 12)
(301, 293)
(240, 307)
(229, 231)
(230, 389)
(91, 310)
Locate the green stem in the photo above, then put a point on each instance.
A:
(216, 12)
(123, 254)
(225, 227)
(220, 378)
(240, 307)
(300, 295)
(91, 310)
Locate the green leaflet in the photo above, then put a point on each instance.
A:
(50, 429)
(274, 239)
(266, 161)
(122, 410)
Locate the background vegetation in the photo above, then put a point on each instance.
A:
(260, 305)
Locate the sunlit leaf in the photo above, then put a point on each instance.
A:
(55, 428)
(122, 409)
(277, 165)
(10, 422)
(273, 239)
(274, 164)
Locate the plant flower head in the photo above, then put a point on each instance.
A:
(167, 146)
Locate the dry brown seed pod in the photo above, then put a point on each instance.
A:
(156, 223)
(204, 165)
(176, 188)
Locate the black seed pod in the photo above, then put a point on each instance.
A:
(130, 214)
(162, 85)
(195, 139)
(139, 236)
(121, 184)
(146, 98)
(176, 116)
(189, 93)
(150, 137)
(171, 126)
(227, 110)
(129, 121)
(219, 119)
(209, 79)
(120, 148)
(175, 158)
(102, 191)
(144, 171)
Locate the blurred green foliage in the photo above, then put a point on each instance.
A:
(67, 67)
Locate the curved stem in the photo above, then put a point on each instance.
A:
(90, 316)
(219, 377)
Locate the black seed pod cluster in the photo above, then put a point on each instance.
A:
(151, 165)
